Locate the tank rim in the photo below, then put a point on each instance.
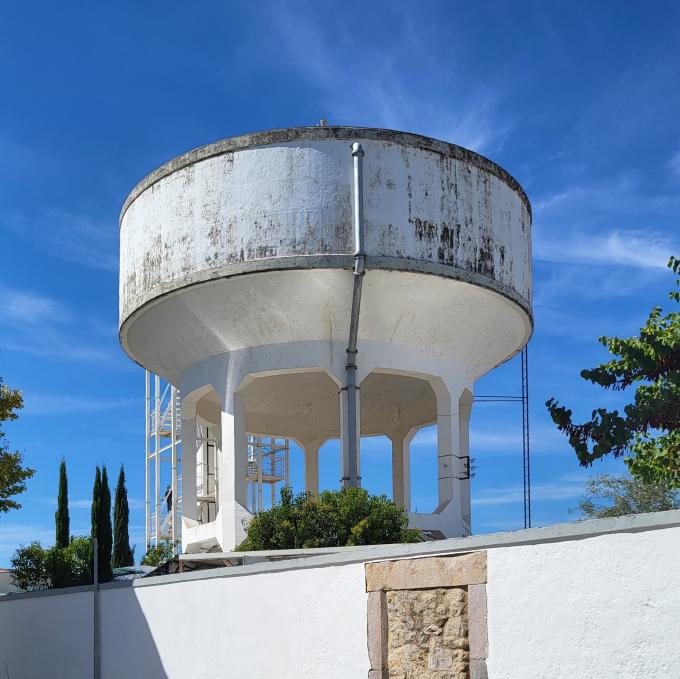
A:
(307, 262)
(319, 133)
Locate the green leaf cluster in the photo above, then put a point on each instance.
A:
(158, 554)
(122, 554)
(34, 567)
(649, 427)
(607, 496)
(13, 475)
(101, 524)
(61, 517)
(349, 516)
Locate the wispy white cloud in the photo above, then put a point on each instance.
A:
(39, 325)
(133, 503)
(13, 535)
(631, 248)
(674, 163)
(606, 224)
(27, 307)
(365, 83)
(85, 503)
(565, 489)
(59, 404)
(505, 440)
(73, 238)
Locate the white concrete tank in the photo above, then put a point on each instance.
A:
(236, 285)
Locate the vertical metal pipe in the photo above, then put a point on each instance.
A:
(173, 449)
(358, 155)
(147, 450)
(157, 456)
(286, 462)
(259, 474)
(526, 452)
(351, 476)
(273, 471)
(96, 651)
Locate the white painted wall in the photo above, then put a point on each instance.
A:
(302, 623)
(588, 606)
(46, 636)
(600, 608)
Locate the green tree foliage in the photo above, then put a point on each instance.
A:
(95, 511)
(649, 428)
(349, 516)
(607, 496)
(158, 555)
(61, 517)
(35, 567)
(28, 567)
(13, 475)
(107, 531)
(101, 524)
(122, 554)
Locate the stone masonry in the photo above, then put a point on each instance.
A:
(428, 634)
(427, 617)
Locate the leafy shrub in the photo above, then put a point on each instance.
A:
(28, 567)
(155, 556)
(35, 567)
(349, 516)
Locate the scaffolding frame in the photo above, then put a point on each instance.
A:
(163, 436)
(207, 485)
(268, 465)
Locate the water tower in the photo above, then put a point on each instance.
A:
(323, 282)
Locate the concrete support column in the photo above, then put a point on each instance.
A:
(189, 508)
(312, 466)
(454, 487)
(232, 468)
(351, 470)
(464, 413)
(401, 467)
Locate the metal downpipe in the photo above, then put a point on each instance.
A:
(351, 476)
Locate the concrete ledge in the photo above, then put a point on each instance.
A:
(158, 293)
(579, 530)
(456, 571)
(20, 596)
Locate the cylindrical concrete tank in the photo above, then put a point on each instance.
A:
(235, 265)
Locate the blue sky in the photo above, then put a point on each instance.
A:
(578, 100)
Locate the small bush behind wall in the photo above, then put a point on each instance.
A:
(35, 567)
(349, 516)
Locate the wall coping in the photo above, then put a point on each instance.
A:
(341, 556)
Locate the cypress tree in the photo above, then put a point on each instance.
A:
(95, 514)
(122, 554)
(106, 540)
(61, 516)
